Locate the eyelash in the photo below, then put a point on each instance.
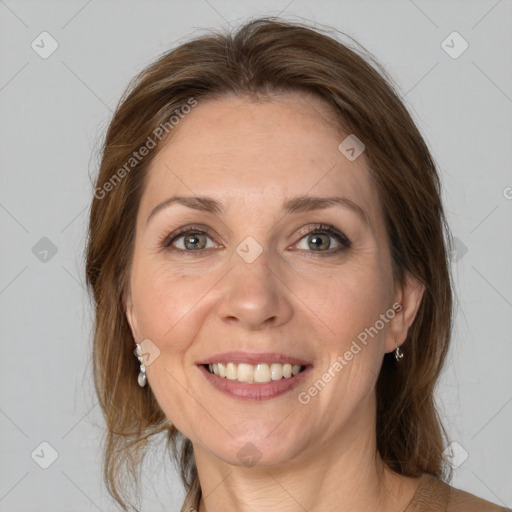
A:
(167, 241)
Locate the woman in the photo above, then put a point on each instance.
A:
(267, 234)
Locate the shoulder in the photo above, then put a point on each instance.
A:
(464, 501)
(433, 494)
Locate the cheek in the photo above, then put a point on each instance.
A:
(153, 292)
(348, 300)
(167, 303)
(352, 336)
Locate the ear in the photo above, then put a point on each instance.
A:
(407, 302)
(131, 318)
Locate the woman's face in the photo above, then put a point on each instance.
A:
(252, 271)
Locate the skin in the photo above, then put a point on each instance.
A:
(252, 156)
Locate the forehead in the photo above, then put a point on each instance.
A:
(238, 149)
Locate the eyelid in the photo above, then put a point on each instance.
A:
(325, 228)
(168, 239)
(345, 242)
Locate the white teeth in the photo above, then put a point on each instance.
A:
(231, 371)
(261, 373)
(276, 371)
(245, 373)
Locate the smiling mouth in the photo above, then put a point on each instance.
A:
(261, 373)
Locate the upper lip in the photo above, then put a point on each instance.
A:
(252, 358)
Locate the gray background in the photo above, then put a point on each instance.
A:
(53, 114)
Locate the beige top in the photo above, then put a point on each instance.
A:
(434, 495)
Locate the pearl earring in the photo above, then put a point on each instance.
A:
(141, 379)
(398, 353)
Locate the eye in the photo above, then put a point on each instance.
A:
(316, 239)
(188, 239)
(319, 239)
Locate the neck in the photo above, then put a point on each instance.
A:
(344, 474)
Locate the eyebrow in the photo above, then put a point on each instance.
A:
(295, 205)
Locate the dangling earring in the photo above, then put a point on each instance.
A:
(398, 353)
(141, 379)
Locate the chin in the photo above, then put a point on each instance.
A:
(255, 450)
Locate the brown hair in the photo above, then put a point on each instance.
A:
(264, 56)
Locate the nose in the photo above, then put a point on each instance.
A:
(254, 295)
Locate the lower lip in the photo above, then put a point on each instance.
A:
(256, 391)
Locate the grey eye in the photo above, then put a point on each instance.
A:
(193, 240)
(318, 241)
